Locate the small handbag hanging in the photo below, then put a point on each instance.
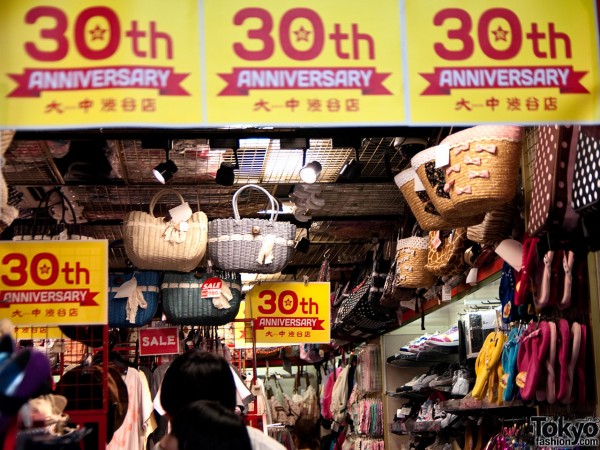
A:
(200, 298)
(132, 298)
(551, 190)
(445, 256)
(152, 243)
(411, 257)
(251, 245)
(393, 295)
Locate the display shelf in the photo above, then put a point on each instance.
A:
(423, 394)
(469, 405)
(429, 357)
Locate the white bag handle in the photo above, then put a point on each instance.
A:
(272, 200)
(160, 194)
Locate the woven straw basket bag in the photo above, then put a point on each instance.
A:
(153, 244)
(411, 260)
(251, 245)
(183, 303)
(434, 180)
(421, 205)
(484, 168)
(143, 309)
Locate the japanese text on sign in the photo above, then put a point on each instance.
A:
(46, 283)
(290, 313)
(514, 62)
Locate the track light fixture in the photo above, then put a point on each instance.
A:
(164, 171)
(351, 170)
(225, 174)
(310, 171)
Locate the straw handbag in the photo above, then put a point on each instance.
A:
(445, 256)
(434, 181)
(139, 307)
(183, 302)
(251, 245)
(418, 202)
(153, 244)
(411, 260)
(484, 168)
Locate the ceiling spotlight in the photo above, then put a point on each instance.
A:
(351, 170)
(225, 174)
(164, 171)
(310, 172)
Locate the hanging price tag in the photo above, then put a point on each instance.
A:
(446, 293)
(442, 156)
(418, 184)
(211, 288)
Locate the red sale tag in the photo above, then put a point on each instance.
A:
(211, 288)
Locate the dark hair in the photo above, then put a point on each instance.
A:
(205, 424)
(197, 375)
(307, 434)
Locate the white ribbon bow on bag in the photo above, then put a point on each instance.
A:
(176, 232)
(222, 301)
(134, 296)
(265, 254)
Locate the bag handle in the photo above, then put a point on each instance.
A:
(272, 200)
(162, 193)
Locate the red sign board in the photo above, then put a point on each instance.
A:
(159, 341)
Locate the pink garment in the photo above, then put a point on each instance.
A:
(326, 397)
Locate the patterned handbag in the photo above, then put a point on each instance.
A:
(411, 260)
(392, 294)
(553, 180)
(586, 177)
(445, 255)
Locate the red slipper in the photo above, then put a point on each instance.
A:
(527, 271)
(550, 394)
(539, 352)
(581, 360)
(567, 397)
(563, 346)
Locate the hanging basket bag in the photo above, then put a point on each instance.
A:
(419, 202)
(434, 180)
(445, 256)
(139, 307)
(251, 245)
(185, 302)
(411, 260)
(484, 168)
(153, 244)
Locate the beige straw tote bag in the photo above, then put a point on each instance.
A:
(411, 261)
(153, 244)
(483, 173)
(434, 180)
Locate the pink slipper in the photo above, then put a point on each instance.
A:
(568, 263)
(539, 352)
(563, 346)
(524, 356)
(581, 360)
(542, 298)
(550, 394)
(567, 398)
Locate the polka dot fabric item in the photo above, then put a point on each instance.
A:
(550, 190)
(586, 179)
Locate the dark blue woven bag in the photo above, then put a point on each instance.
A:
(148, 283)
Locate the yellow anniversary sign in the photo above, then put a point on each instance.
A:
(304, 62)
(54, 282)
(76, 63)
(506, 61)
(290, 313)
